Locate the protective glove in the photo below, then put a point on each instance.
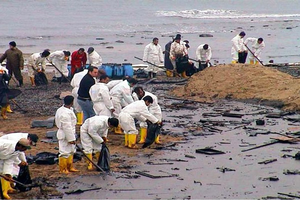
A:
(23, 163)
(104, 139)
(8, 177)
(72, 142)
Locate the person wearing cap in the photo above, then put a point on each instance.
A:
(94, 58)
(203, 55)
(60, 60)
(65, 121)
(93, 133)
(258, 45)
(101, 98)
(9, 152)
(34, 62)
(238, 49)
(153, 54)
(78, 61)
(14, 61)
(178, 53)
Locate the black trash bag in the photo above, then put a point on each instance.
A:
(202, 66)
(104, 158)
(40, 79)
(242, 57)
(153, 131)
(182, 63)
(46, 158)
(191, 69)
(141, 73)
(24, 177)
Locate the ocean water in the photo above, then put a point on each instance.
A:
(129, 25)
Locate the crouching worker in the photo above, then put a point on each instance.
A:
(65, 121)
(93, 133)
(136, 110)
(9, 152)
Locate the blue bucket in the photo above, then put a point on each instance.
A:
(128, 69)
(118, 71)
(108, 68)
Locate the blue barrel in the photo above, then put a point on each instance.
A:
(128, 69)
(118, 71)
(108, 68)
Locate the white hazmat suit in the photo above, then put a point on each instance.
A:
(75, 84)
(113, 83)
(91, 133)
(203, 54)
(65, 121)
(95, 59)
(101, 99)
(8, 156)
(33, 64)
(256, 47)
(58, 59)
(153, 54)
(237, 45)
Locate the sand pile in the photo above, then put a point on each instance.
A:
(243, 82)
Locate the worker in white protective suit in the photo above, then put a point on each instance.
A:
(154, 109)
(93, 133)
(203, 55)
(75, 82)
(136, 110)
(60, 60)
(9, 153)
(113, 83)
(257, 46)
(153, 54)
(34, 61)
(65, 121)
(119, 93)
(238, 49)
(101, 99)
(94, 58)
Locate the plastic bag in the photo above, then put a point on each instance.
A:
(24, 177)
(40, 79)
(45, 158)
(153, 131)
(104, 158)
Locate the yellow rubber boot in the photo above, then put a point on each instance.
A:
(90, 165)
(157, 140)
(118, 130)
(183, 75)
(233, 61)
(132, 141)
(63, 165)
(70, 164)
(251, 62)
(256, 62)
(97, 155)
(3, 112)
(8, 109)
(169, 73)
(79, 116)
(143, 134)
(126, 140)
(6, 188)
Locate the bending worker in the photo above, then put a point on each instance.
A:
(101, 99)
(203, 55)
(78, 61)
(95, 59)
(238, 50)
(9, 152)
(153, 54)
(93, 133)
(34, 61)
(60, 60)
(257, 46)
(136, 110)
(154, 109)
(65, 121)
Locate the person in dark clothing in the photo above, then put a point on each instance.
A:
(4, 78)
(168, 65)
(84, 98)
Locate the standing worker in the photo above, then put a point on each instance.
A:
(4, 78)
(78, 61)
(178, 56)
(93, 133)
(9, 151)
(84, 98)
(34, 61)
(95, 59)
(65, 121)
(203, 55)
(60, 60)
(154, 109)
(101, 98)
(257, 46)
(238, 50)
(153, 54)
(136, 110)
(168, 64)
(14, 61)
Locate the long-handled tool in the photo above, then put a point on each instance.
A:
(59, 71)
(147, 62)
(254, 55)
(97, 166)
(22, 184)
(24, 111)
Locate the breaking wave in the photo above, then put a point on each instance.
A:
(219, 14)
